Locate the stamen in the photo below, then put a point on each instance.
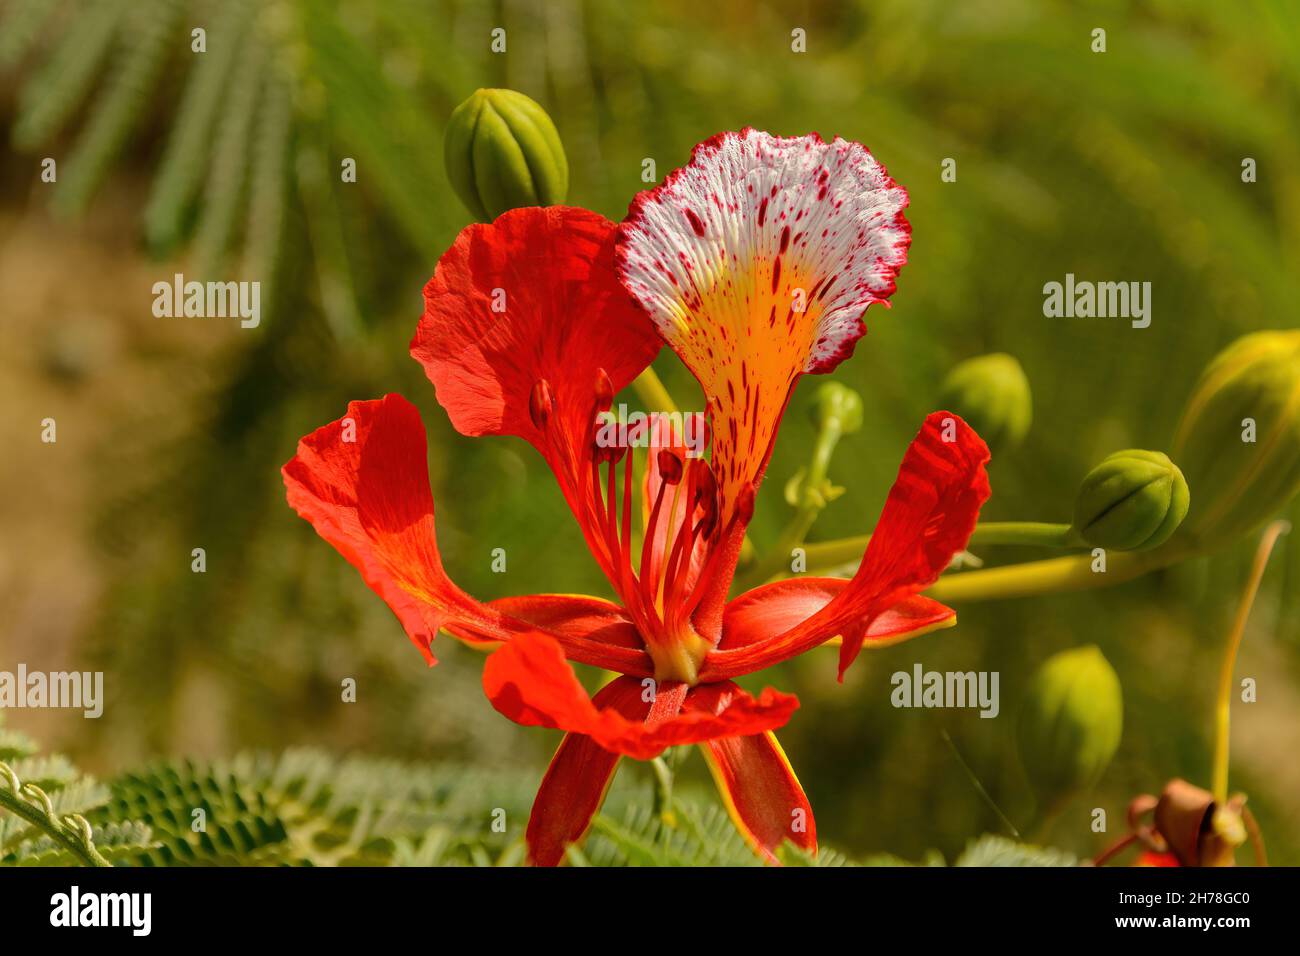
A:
(677, 570)
(609, 520)
(741, 515)
(683, 538)
(625, 539)
(541, 403)
(604, 391)
(706, 493)
(670, 535)
(670, 466)
(651, 525)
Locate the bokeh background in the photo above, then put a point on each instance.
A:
(1122, 166)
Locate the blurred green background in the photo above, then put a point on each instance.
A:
(1117, 166)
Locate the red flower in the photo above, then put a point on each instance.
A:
(755, 264)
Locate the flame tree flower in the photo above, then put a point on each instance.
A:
(755, 264)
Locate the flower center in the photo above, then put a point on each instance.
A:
(684, 568)
(678, 657)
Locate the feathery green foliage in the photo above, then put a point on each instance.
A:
(44, 804)
(305, 807)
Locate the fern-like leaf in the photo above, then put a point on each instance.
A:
(123, 100)
(186, 158)
(20, 24)
(228, 175)
(49, 99)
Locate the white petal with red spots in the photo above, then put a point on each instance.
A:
(756, 262)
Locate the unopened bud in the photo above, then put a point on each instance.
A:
(1132, 501)
(992, 394)
(502, 151)
(1239, 439)
(1071, 723)
(839, 404)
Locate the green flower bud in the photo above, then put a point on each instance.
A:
(502, 151)
(838, 403)
(1239, 438)
(1071, 723)
(1132, 501)
(992, 394)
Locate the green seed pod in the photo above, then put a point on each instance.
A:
(838, 403)
(1132, 501)
(992, 393)
(1239, 438)
(502, 151)
(1071, 723)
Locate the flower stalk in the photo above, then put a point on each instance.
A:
(652, 391)
(1223, 700)
(1042, 534)
(1071, 573)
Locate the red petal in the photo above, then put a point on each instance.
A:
(577, 619)
(758, 786)
(527, 331)
(574, 615)
(928, 517)
(577, 780)
(565, 318)
(529, 681)
(772, 609)
(362, 482)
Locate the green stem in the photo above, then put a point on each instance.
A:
(979, 787)
(12, 799)
(1073, 573)
(1041, 534)
(1223, 702)
(829, 554)
(810, 506)
(650, 389)
(663, 794)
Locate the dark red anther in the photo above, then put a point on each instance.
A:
(706, 486)
(541, 403)
(670, 466)
(603, 452)
(604, 391)
(745, 505)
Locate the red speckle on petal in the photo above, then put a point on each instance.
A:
(696, 224)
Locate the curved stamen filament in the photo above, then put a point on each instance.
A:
(683, 548)
(719, 552)
(667, 553)
(683, 553)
